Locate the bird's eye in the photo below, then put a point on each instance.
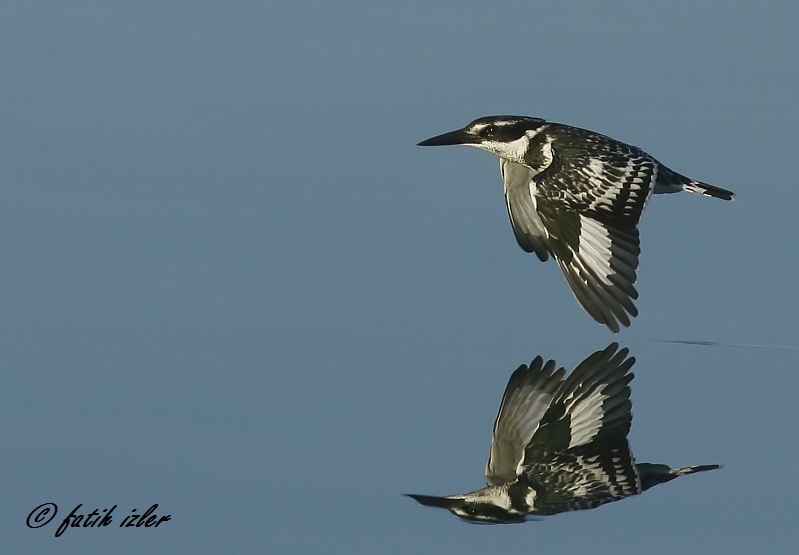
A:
(489, 130)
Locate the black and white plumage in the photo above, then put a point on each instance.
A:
(577, 195)
(560, 444)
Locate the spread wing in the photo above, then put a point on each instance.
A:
(520, 199)
(585, 477)
(593, 403)
(589, 200)
(527, 398)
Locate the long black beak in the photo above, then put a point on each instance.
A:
(459, 137)
(433, 501)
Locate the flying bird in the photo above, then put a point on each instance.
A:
(577, 195)
(560, 444)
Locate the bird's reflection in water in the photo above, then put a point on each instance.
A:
(560, 444)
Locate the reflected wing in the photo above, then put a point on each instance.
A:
(593, 403)
(520, 199)
(527, 398)
(585, 477)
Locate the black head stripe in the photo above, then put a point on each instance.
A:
(504, 128)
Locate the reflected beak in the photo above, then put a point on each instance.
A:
(433, 501)
(459, 137)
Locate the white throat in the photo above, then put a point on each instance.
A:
(513, 151)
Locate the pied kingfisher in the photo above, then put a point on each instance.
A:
(560, 445)
(577, 195)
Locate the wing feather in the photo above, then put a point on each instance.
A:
(599, 261)
(593, 402)
(589, 200)
(520, 200)
(526, 399)
(585, 478)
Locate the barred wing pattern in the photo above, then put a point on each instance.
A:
(589, 200)
(593, 403)
(584, 478)
(542, 413)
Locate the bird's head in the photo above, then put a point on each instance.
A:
(474, 509)
(505, 136)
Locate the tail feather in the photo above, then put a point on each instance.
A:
(700, 188)
(669, 181)
(696, 468)
(654, 474)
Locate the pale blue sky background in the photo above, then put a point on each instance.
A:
(233, 286)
